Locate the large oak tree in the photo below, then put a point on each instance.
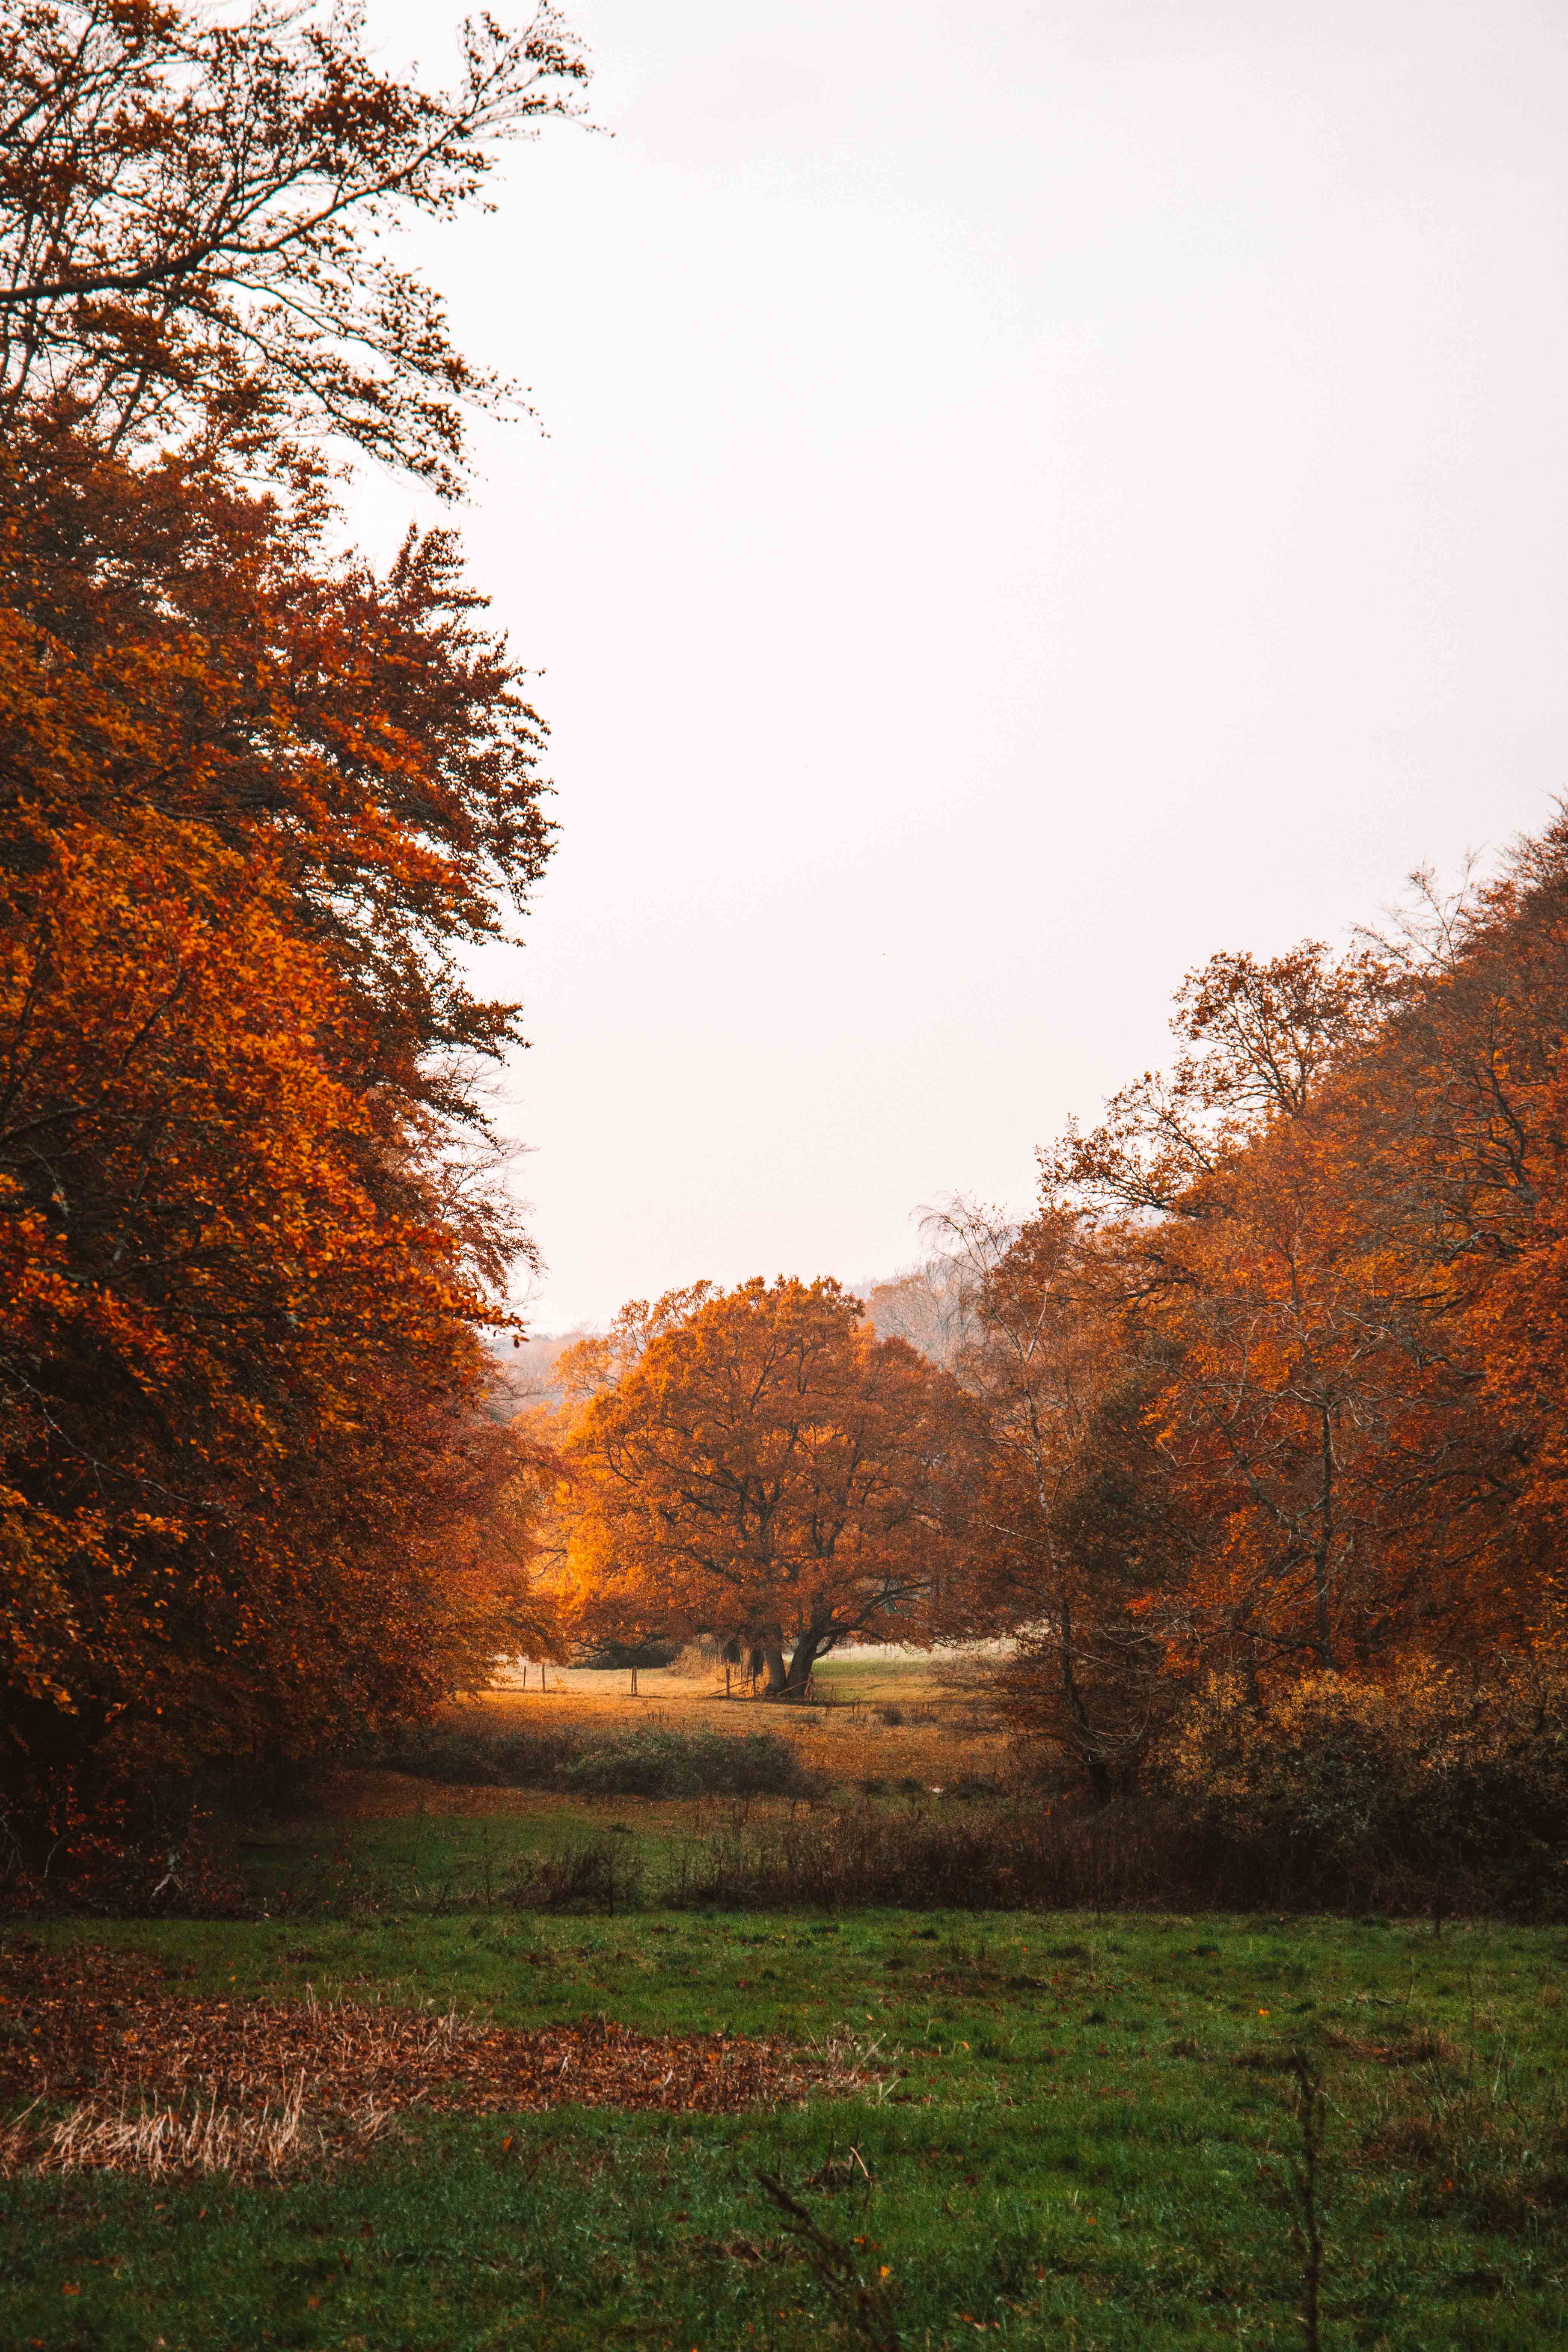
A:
(769, 1471)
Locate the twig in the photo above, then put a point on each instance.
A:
(868, 2305)
(1307, 2229)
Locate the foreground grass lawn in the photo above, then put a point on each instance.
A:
(1078, 2142)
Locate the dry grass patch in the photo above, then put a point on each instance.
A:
(158, 2140)
(1416, 2045)
(155, 2080)
(933, 1740)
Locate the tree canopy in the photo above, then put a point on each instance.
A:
(1318, 1264)
(193, 224)
(257, 801)
(766, 1468)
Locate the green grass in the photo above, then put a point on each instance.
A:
(1081, 2146)
(846, 1674)
(420, 1860)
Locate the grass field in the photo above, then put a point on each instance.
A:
(1078, 2133)
(889, 1717)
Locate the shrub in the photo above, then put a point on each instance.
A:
(473, 1758)
(1441, 1788)
(658, 1763)
(611, 1655)
(651, 1761)
(974, 1858)
(596, 1875)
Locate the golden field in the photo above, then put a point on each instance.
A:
(939, 1734)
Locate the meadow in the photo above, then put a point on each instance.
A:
(1046, 2129)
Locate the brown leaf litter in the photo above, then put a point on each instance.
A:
(158, 2080)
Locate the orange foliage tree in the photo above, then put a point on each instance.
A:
(1294, 1359)
(1462, 1152)
(1332, 1230)
(236, 1382)
(240, 1365)
(764, 1468)
(1069, 1536)
(255, 800)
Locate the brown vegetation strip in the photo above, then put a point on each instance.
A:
(88, 2026)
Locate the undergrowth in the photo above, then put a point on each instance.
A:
(978, 1855)
(654, 1761)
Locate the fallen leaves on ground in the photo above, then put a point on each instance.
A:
(161, 2080)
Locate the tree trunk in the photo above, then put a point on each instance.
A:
(1089, 1756)
(772, 1647)
(808, 1648)
(1324, 1544)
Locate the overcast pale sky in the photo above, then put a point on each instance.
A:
(1033, 494)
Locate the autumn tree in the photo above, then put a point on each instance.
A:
(256, 801)
(1460, 1150)
(193, 223)
(1069, 1538)
(766, 1469)
(1272, 1383)
(247, 1270)
(1320, 1407)
(1296, 1363)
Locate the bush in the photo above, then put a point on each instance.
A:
(595, 1876)
(972, 1858)
(657, 1763)
(649, 1762)
(1435, 1789)
(470, 1758)
(618, 1655)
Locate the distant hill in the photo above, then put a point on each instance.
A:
(920, 1306)
(526, 1375)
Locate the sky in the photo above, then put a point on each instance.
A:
(1029, 495)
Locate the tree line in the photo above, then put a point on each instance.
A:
(259, 799)
(1269, 1387)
